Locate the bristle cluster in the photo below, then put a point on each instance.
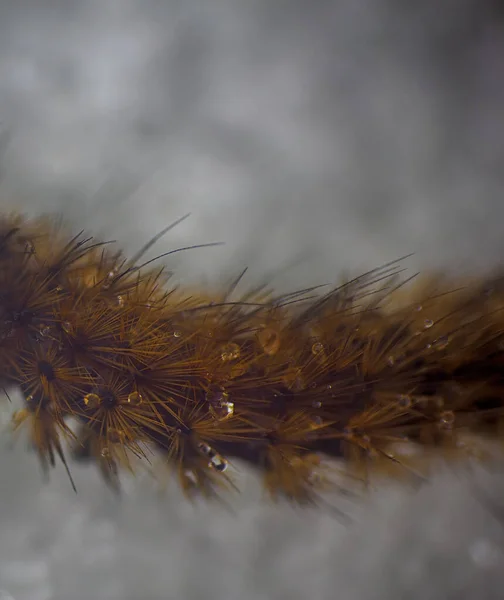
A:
(204, 378)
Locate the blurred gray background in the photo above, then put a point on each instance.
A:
(321, 135)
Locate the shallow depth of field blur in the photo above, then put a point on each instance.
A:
(311, 137)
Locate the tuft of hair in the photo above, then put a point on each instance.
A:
(375, 365)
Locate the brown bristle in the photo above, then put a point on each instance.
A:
(207, 377)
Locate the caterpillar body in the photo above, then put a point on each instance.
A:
(279, 381)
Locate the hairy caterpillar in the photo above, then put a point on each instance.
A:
(201, 378)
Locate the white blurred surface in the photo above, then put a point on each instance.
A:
(344, 134)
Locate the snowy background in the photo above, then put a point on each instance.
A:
(320, 135)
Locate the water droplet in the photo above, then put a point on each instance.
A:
(421, 401)
(29, 398)
(92, 401)
(216, 394)
(428, 323)
(365, 442)
(220, 405)
(442, 342)
(447, 419)
(317, 348)
(19, 416)
(390, 361)
(316, 404)
(237, 370)
(314, 478)
(405, 400)
(269, 339)
(105, 452)
(349, 431)
(190, 475)
(67, 327)
(119, 301)
(44, 330)
(115, 435)
(135, 398)
(177, 333)
(418, 307)
(316, 421)
(228, 408)
(207, 450)
(230, 351)
(109, 279)
(218, 463)
(293, 380)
